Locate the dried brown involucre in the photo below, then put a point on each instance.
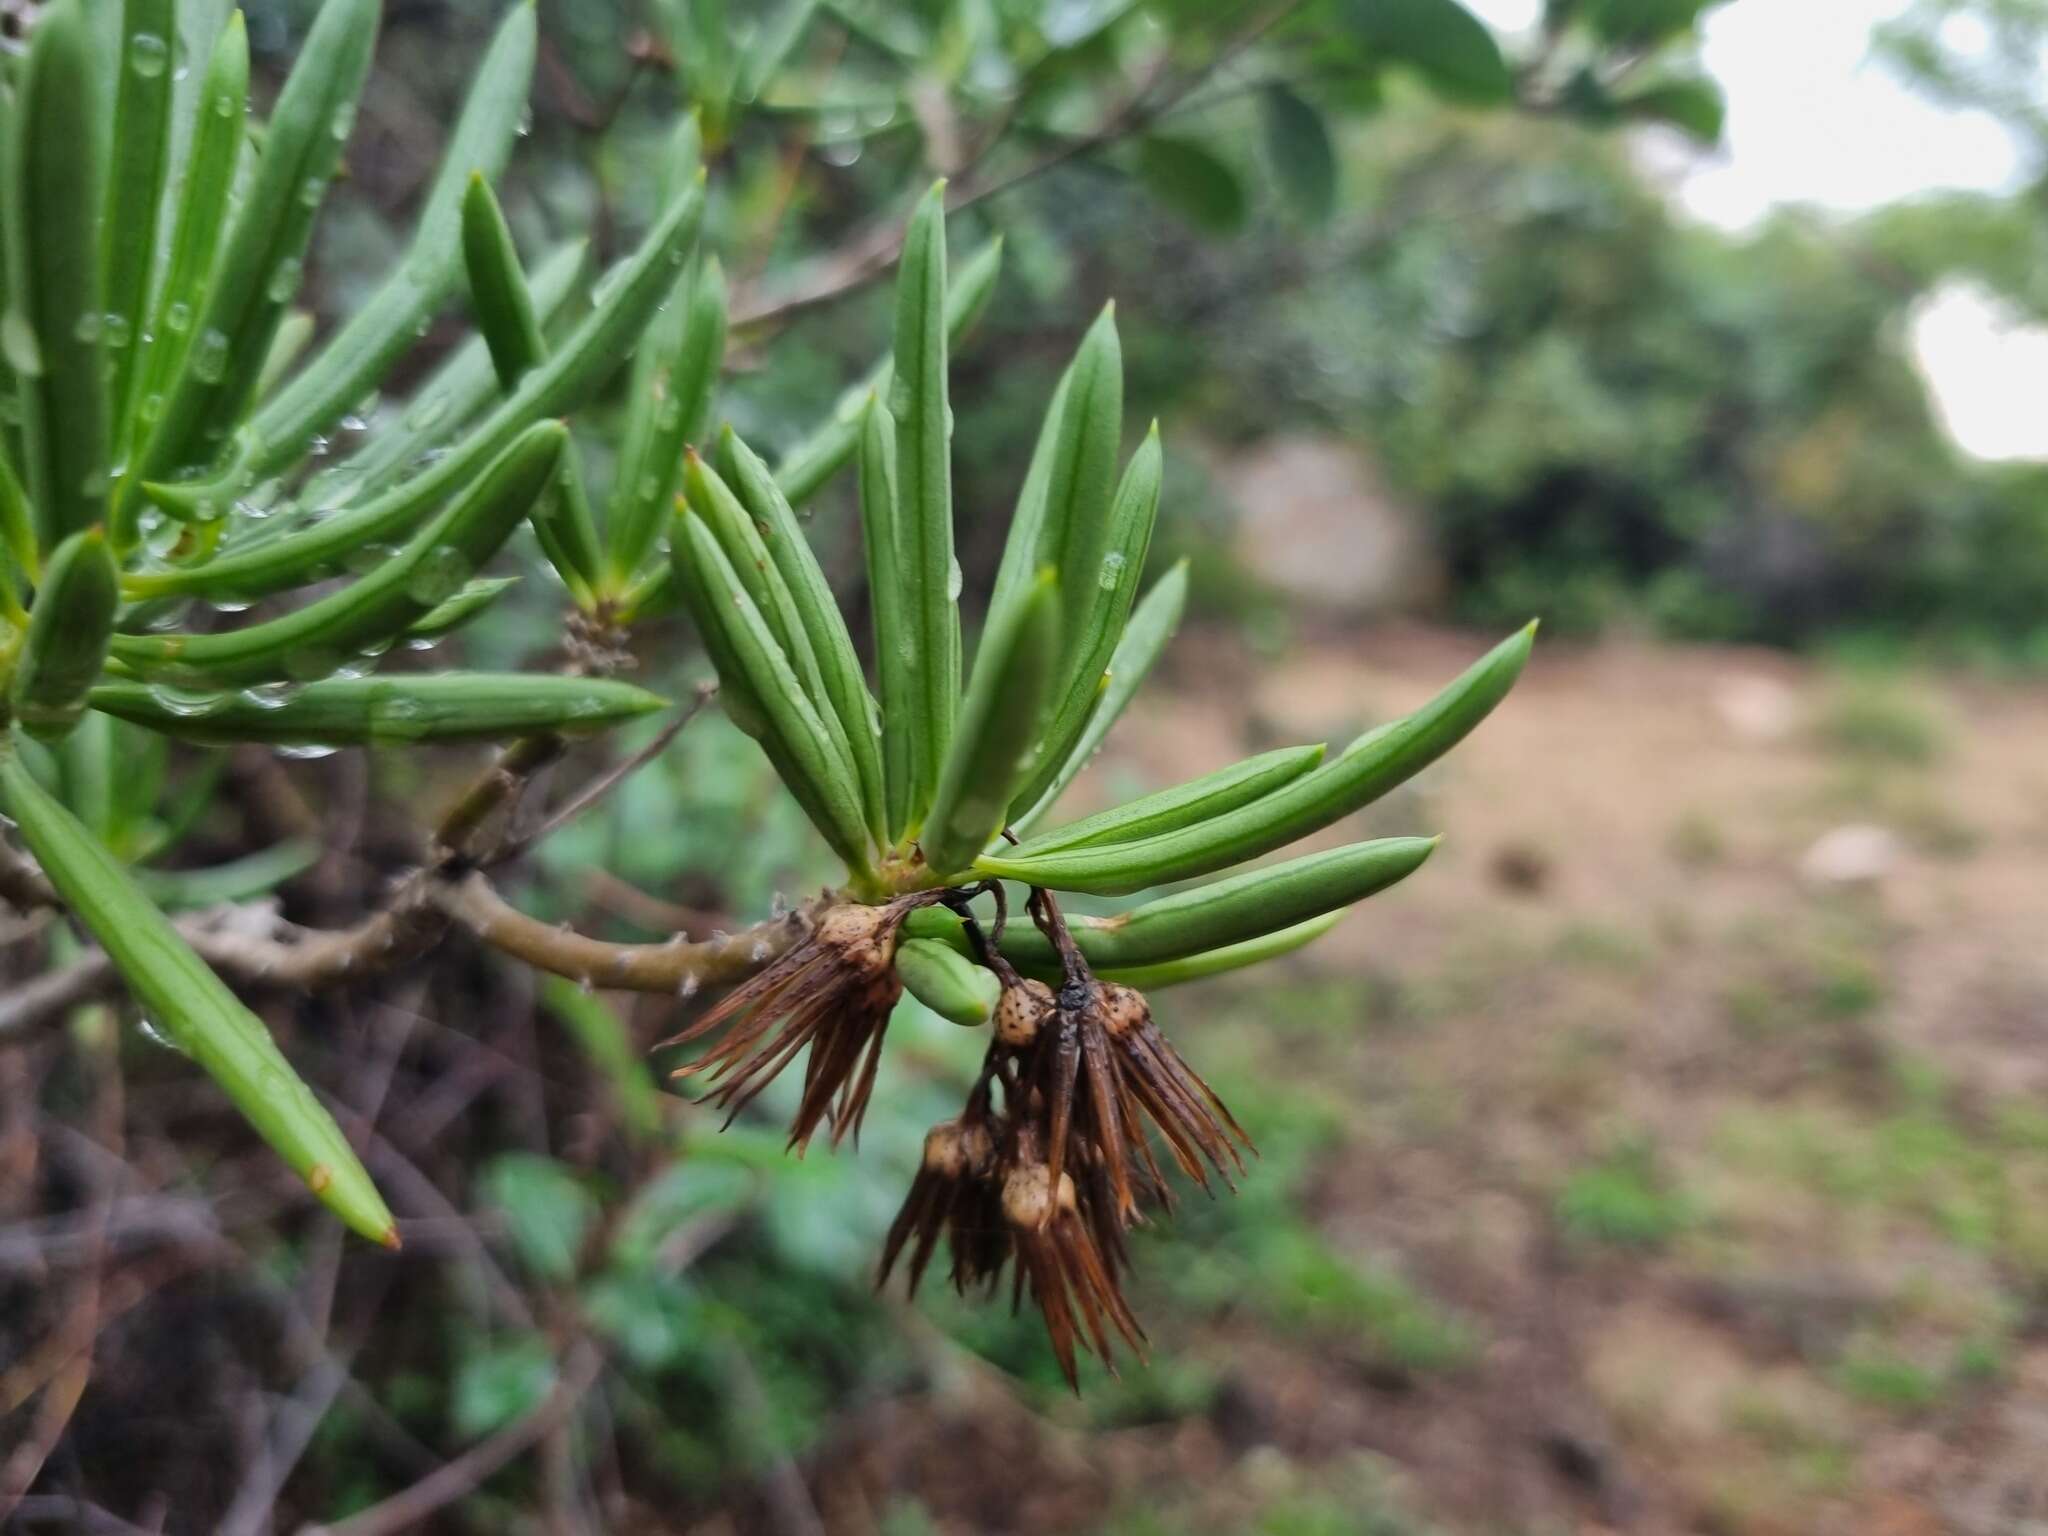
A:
(833, 992)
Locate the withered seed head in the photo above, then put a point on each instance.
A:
(1027, 1196)
(1122, 1008)
(1021, 1012)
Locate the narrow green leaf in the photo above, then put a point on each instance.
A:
(1299, 147)
(947, 982)
(895, 671)
(387, 324)
(218, 132)
(68, 632)
(498, 295)
(377, 711)
(465, 605)
(335, 630)
(1098, 610)
(18, 553)
(606, 1044)
(763, 695)
(1145, 637)
(294, 331)
(670, 409)
(1000, 725)
(1231, 957)
(192, 1006)
(262, 255)
(805, 468)
(243, 879)
(1184, 805)
(448, 400)
(1361, 774)
(925, 567)
(1194, 181)
(572, 373)
(135, 184)
(845, 689)
(54, 179)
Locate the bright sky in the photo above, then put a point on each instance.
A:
(1813, 119)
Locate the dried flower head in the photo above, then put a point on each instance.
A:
(954, 1188)
(1058, 1230)
(833, 992)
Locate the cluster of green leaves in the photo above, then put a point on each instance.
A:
(159, 439)
(929, 784)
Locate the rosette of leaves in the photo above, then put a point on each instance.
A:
(935, 787)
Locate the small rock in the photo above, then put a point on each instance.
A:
(1856, 854)
(1756, 708)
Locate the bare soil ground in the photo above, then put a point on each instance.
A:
(1735, 1175)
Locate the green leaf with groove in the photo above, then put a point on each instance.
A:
(332, 631)
(214, 151)
(52, 179)
(570, 376)
(135, 185)
(1184, 805)
(263, 252)
(803, 471)
(386, 324)
(68, 633)
(845, 689)
(1367, 769)
(761, 692)
(423, 707)
(925, 567)
(684, 350)
(192, 1006)
(1152, 625)
(895, 673)
(1000, 726)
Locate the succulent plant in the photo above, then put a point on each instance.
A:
(161, 471)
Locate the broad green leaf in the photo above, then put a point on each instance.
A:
(804, 469)
(192, 1006)
(1641, 23)
(574, 372)
(1298, 144)
(262, 255)
(1194, 181)
(135, 186)
(925, 567)
(845, 689)
(947, 982)
(1184, 805)
(68, 632)
(500, 1384)
(1442, 40)
(54, 335)
(332, 632)
(545, 1209)
(377, 711)
(387, 324)
(1694, 106)
(1371, 766)
(685, 348)
(1000, 725)
(895, 670)
(1152, 624)
(201, 194)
